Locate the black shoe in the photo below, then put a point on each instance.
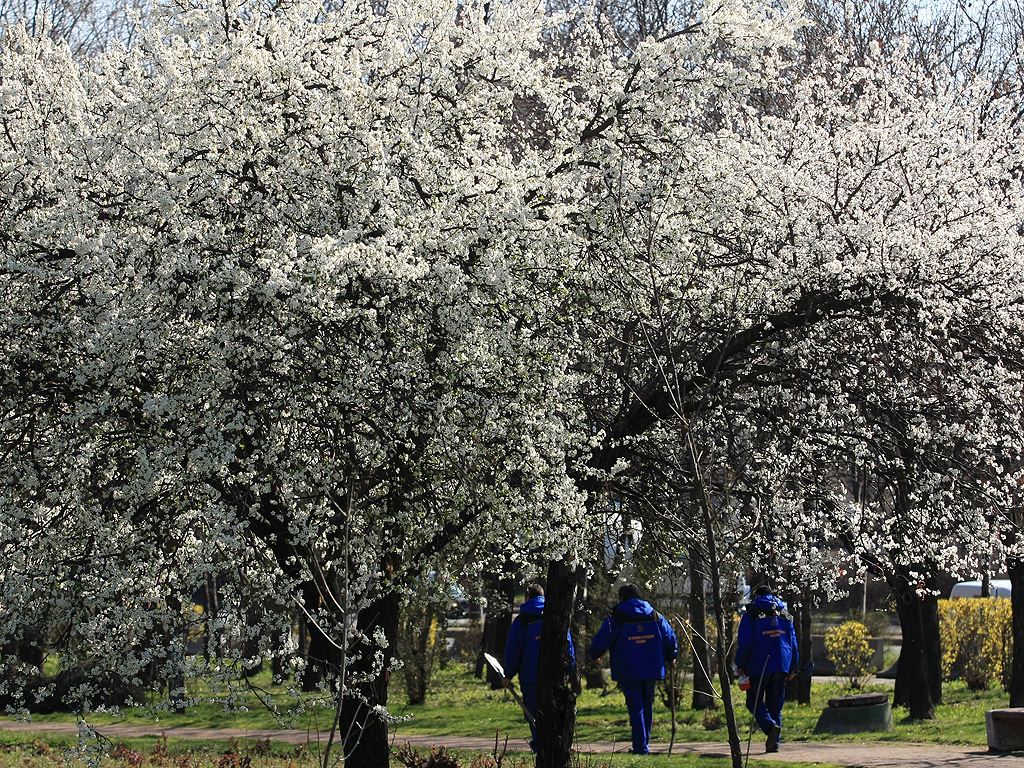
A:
(771, 744)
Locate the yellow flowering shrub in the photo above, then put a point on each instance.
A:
(847, 647)
(976, 637)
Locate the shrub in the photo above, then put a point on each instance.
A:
(130, 757)
(976, 637)
(712, 720)
(438, 758)
(876, 622)
(847, 647)
(420, 645)
(443, 758)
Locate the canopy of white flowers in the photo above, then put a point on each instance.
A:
(307, 305)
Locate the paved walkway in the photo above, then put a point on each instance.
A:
(880, 755)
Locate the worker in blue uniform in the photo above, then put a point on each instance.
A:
(522, 652)
(767, 652)
(642, 644)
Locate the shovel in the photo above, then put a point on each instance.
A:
(496, 666)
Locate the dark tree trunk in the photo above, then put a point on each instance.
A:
(210, 610)
(501, 595)
(799, 688)
(322, 656)
(918, 674)
(1017, 607)
(703, 674)
(806, 643)
(480, 666)
(303, 649)
(730, 636)
(175, 644)
(933, 646)
(588, 620)
(363, 734)
(28, 650)
(724, 626)
(253, 649)
(556, 704)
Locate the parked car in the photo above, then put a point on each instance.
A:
(464, 606)
(996, 588)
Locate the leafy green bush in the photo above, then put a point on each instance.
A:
(420, 646)
(847, 647)
(976, 636)
(876, 622)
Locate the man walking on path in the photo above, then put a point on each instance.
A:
(522, 650)
(766, 652)
(642, 643)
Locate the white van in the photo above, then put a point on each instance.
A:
(996, 588)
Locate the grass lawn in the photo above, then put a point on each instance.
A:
(460, 705)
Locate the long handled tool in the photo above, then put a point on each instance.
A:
(496, 666)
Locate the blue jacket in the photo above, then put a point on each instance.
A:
(641, 642)
(522, 649)
(766, 639)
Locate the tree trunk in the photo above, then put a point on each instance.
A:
(321, 654)
(210, 610)
(501, 596)
(806, 644)
(556, 704)
(1017, 607)
(594, 593)
(703, 687)
(918, 675)
(715, 575)
(799, 688)
(362, 732)
(253, 649)
(721, 653)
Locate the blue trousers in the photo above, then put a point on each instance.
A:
(765, 698)
(529, 693)
(640, 705)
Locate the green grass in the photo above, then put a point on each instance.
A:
(460, 705)
(218, 709)
(960, 720)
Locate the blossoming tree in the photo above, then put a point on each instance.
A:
(314, 304)
(829, 288)
(270, 318)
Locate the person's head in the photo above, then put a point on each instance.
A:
(534, 590)
(762, 590)
(628, 592)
